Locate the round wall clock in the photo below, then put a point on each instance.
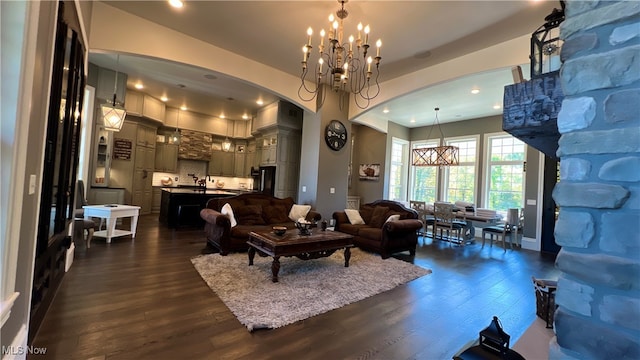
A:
(335, 135)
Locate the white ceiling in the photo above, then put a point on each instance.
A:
(415, 35)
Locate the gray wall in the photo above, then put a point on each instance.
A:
(331, 166)
(370, 148)
(33, 165)
(309, 158)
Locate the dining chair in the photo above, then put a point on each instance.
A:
(513, 223)
(445, 220)
(423, 214)
(87, 225)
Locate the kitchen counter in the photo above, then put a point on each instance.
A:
(180, 206)
(198, 191)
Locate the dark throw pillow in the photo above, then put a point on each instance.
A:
(378, 216)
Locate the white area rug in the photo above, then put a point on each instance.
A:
(305, 288)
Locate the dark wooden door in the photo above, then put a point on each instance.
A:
(549, 208)
(60, 165)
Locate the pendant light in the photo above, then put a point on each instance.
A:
(226, 144)
(113, 114)
(444, 155)
(175, 137)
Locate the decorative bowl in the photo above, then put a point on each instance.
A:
(279, 230)
(304, 227)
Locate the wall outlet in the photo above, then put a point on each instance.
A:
(176, 178)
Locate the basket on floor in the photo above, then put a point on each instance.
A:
(545, 299)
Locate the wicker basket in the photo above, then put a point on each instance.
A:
(545, 299)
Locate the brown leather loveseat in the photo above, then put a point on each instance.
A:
(379, 235)
(253, 212)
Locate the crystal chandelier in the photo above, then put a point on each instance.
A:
(343, 64)
(444, 155)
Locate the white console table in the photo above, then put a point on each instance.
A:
(111, 213)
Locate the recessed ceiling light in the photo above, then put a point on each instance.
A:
(139, 86)
(497, 106)
(164, 99)
(386, 111)
(259, 102)
(245, 117)
(412, 120)
(475, 91)
(210, 76)
(222, 116)
(176, 3)
(183, 108)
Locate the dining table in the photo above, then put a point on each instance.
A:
(471, 218)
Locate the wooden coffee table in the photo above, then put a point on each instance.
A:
(318, 244)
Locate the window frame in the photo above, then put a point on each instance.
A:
(487, 163)
(444, 185)
(406, 161)
(412, 173)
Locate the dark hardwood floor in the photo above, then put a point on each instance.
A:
(143, 299)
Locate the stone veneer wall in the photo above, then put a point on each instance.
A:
(598, 194)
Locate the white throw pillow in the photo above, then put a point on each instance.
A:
(227, 210)
(354, 216)
(393, 218)
(299, 211)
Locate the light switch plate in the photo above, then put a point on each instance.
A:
(332, 190)
(531, 201)
(32, 184)
(304, 188)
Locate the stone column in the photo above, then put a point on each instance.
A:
(598, 194)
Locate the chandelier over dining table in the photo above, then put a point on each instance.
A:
(344, 64)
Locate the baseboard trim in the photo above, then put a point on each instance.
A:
(17, 349)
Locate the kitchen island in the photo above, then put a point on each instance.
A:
(180, 206)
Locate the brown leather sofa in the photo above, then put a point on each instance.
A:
(253, 212)
(377, 234)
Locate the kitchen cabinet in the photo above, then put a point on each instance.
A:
(288, 163)
(238, 165)
(156, 202)
(146, 136)
(221, 163)
(105, 81)
(250, 158)
(181, 207)
(143, 105)
(144, 164)
(166, 158)
(102, 159)
(269, 151)
(266, 117)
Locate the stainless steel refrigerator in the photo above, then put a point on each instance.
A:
(264, 179)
